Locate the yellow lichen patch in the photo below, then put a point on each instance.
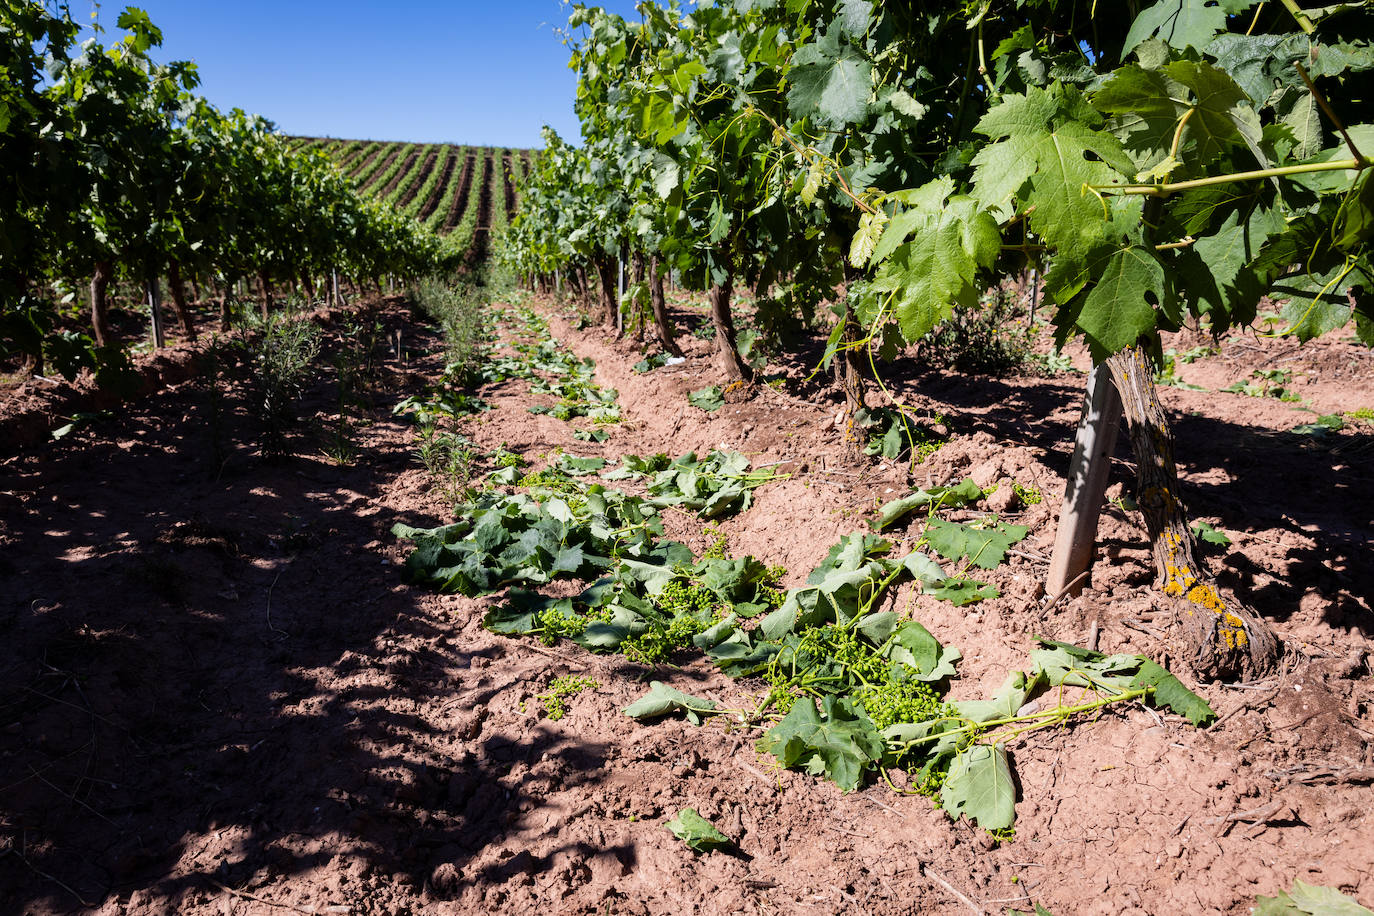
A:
(1232, 631)
(1180, 580)
(1206, 596)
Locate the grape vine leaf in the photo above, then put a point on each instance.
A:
(1171, 694)
(1182, 23)
(986, 547)
(1259, 63)
(707, 399)
(980, 787)
(697, 832)
(1117, 310)
(917, 648)
(1309, 900)
(663, 699)
(961, 592)
(1316, 304)
(1004, 704)
(938, 267)
(840, 744)
(1045, 140)
(1147, 106)
(830, 81)
(960, 494)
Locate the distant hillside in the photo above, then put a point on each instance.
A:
(462, 192)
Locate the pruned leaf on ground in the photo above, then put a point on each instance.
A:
(632, 467)
(1205, 532)
(718, 485)
(1309, 900)
(1004, 704)
(651, 362)
(984, 547)
(663, 699)
(697, 832)
(961, 592)
(836, 741)
(961, 494)
(911, 644)
(577, 467)
(708, 399)
(980, 787)
(1170, 693)
(1074, 666)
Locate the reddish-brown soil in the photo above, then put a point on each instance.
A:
(217, 696)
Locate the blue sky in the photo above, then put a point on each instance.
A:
(464, 71)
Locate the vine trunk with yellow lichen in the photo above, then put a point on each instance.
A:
(1220, 636)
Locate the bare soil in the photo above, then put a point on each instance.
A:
(217, 696)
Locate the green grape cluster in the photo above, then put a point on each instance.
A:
(560, 688)
(553, 481)
(842, 647)
(720, 543)
(554, 624)
(657, 643)
(684, 597)
(888, 703)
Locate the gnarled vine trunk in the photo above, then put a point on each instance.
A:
(100, 306)
(662, 323)
(178, 290)
(636, 278)
(1219, 636)
(265, 287)
(605, 275)
(225, 286)
(727, 354)
(849, 363)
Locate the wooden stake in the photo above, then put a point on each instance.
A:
(1087, 485)
(155, 310)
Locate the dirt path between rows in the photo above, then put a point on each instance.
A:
(218, 696)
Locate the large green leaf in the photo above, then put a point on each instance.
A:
(697, 832)
(1046, 159)
(831, 80)
(979, 786)
(1148, 106)
(1309, 900)
(986, 547)
(840, 743)
(1171, 694)
(939, 266)
(1181, 23)
(663, 699)
(1117, 309)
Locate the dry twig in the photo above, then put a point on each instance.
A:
(959, 895)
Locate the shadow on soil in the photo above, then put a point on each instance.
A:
(212, 679)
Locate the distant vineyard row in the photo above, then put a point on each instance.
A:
(461, 192)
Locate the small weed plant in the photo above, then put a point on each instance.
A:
(282, 361)
(994, 338)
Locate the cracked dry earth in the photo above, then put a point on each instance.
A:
(218, 696)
